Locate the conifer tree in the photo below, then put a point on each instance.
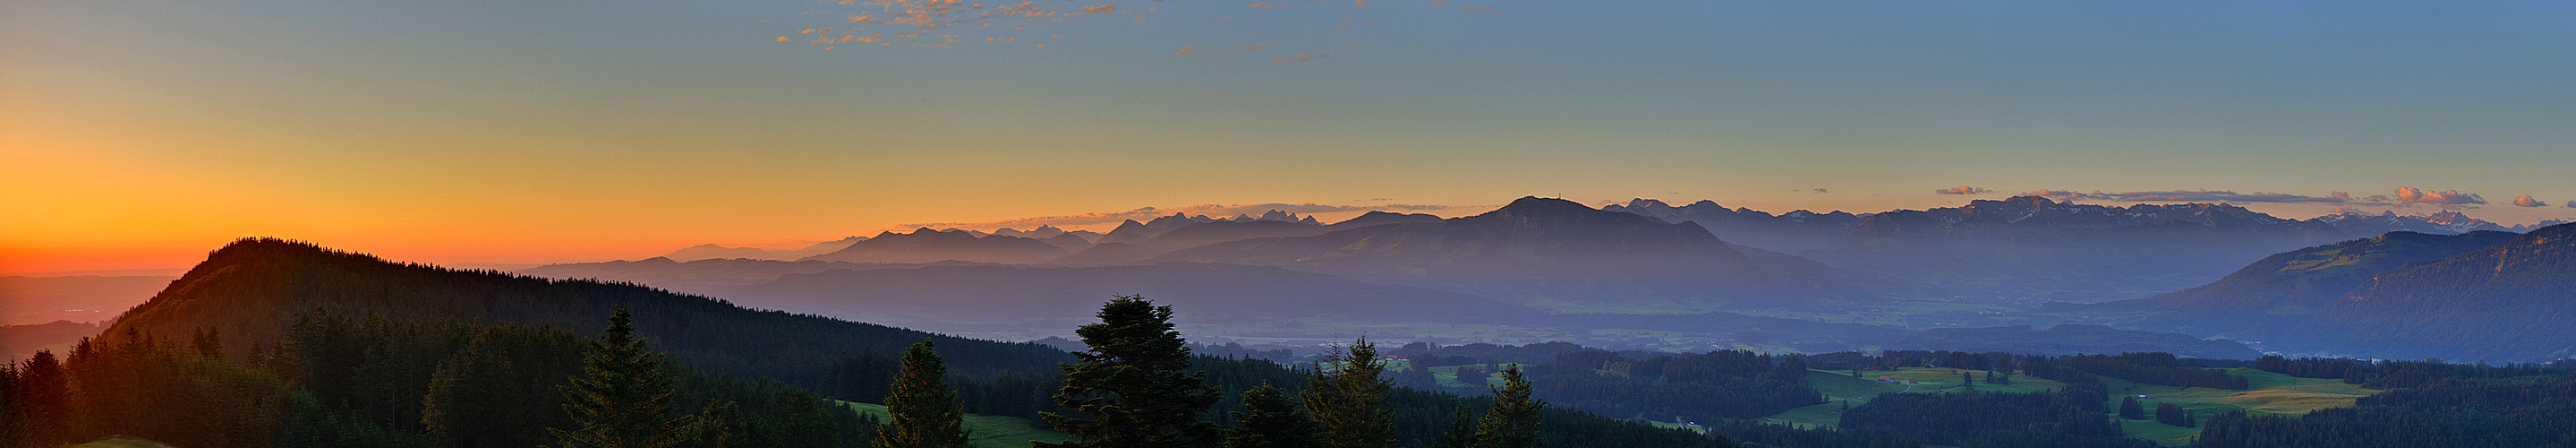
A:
(923, 412)
(620, 399)
(1514, 419)
(1268, 420)
(474, 393)
(2129, 409)
(1462, 430)
(1134, 387)
(44, 392)
(1351, 402)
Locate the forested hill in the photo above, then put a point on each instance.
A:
(252, 290)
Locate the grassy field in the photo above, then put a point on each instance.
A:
(985, 431)
(2270, 393)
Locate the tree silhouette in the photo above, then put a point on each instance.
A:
(1514, 419)
(1268, 420)
(1351, 402)
(1135, 384)
(621, 397)
(923, 412)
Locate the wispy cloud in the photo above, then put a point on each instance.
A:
(952, 23)
(2446, 198)
(1149, 213)
(2527, 201)
(1300, 57)
(1963, 189)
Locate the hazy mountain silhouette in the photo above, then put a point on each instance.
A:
(2032, 247)
(1374, 217)
(1791, 232)
(1551, 253)
(707, 276)
(21, 341)
(1189, 236)
(2442, 222)
(2071, 339)
(1006, 298)
(925, 245)
(82, 298)
(712, 251)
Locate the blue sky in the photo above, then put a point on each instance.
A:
(570, 129)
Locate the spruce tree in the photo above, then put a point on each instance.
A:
(1462, 430)
(1134, 387)
(1268, 420)
(922, 411)
(1514, 419)
(620, 397)
(2129, 409)
(1351, 402)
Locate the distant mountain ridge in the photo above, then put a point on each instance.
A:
(1550, 252)
(712, 251)
(1052, 300)
(925, 246)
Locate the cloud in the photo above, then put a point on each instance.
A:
(1963, 189)
(2571, 204)
(1149, 213)
(952, 23)
(1300, 57)
(2527, 201)
(2446, 198)
(1821, 190)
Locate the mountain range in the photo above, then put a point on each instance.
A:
(1553, 253)
(2033, 248)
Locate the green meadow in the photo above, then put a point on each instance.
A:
(2269, 393)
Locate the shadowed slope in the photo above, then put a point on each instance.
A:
(253, 289)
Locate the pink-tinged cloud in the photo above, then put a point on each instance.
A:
(2527, 201)
(1963, 189)
(2446, 198)
(1300, 57)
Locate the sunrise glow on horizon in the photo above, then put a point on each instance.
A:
(142, 134)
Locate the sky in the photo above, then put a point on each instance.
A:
(141, 134)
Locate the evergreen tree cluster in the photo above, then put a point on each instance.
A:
(373, 381)
(2151, 368)
(2397, 374)
(2175, 415)
(2528, 411)
(1700, 387)
(1990, 419)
